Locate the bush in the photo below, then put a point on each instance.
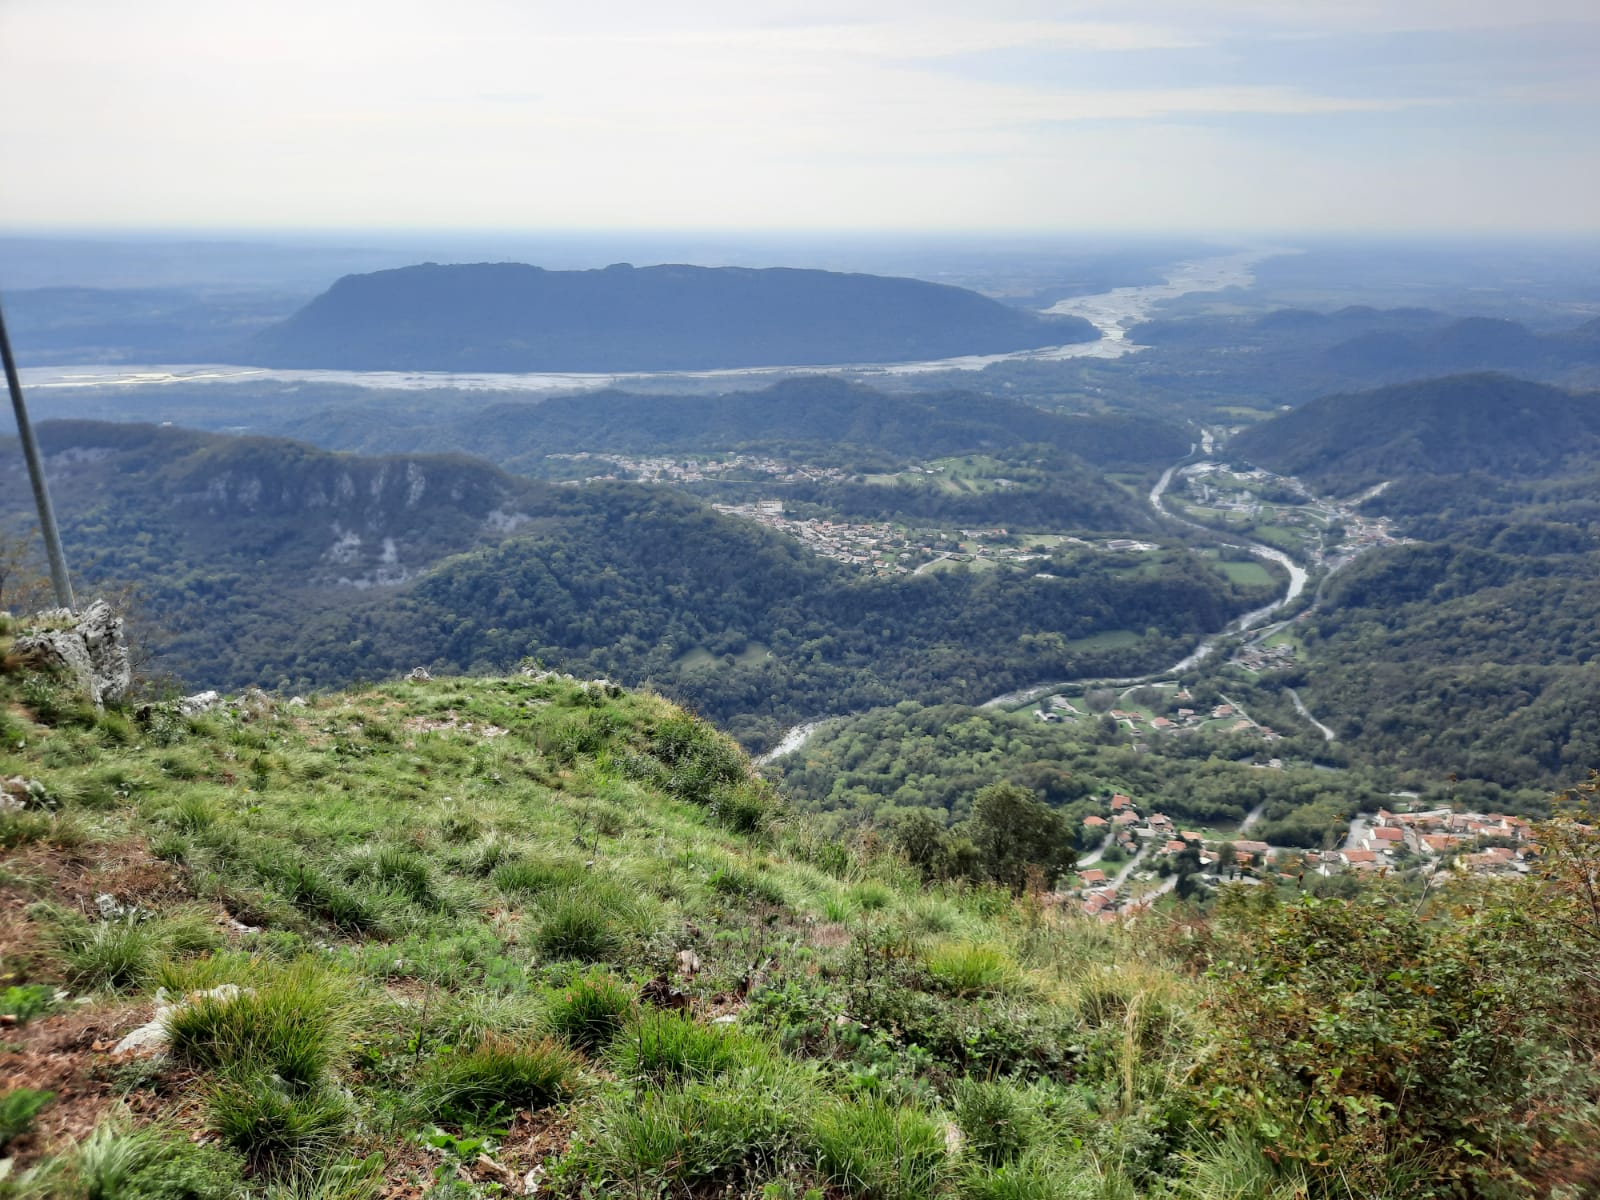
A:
(591, 1011)
(575, 928)
(876, 1151)
(153, 1163)
(26, 1001)
(535, 878)
(702, 1136)
(497, 1076)
(968, 969)
(995, 1118)
(119, 953)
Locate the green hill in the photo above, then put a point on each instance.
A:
(513, 317)
(1491, 423)
(468, 938)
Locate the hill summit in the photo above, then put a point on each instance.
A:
(515, 317)
(535, 936)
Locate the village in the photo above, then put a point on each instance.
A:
(882, 548)
(671, 470)
(1282, 511)
(1149, 854)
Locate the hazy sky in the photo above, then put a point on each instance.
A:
(749, 114)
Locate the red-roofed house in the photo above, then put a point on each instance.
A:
(1092, 877)
(1175, 847)
(1094, 822)
(1120, 802)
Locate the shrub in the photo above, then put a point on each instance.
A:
(746, 884)
(535, 878)
(698, 1137)
(995, 1118)
(968, 969)
(193, 814)
(591, 1011)
(153, 1163)
(497, 1076)
(1038, 1177)
(26, 1001)
(665, 1046)
(876, 1151)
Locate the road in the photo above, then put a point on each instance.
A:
(1095, 855)
(1299, 706)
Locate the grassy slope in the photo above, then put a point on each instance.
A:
(491, 927)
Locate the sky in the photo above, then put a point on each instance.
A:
(1000, 116)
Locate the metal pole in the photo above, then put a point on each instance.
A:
(41, 492)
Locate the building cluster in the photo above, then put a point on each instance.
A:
(1233, 493)
(1259, 657)
(1477, 843)
(1471, 843)
(877, 547)
(695, 470)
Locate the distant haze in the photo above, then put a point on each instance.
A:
(1015, 115)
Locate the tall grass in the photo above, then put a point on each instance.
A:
(874, 1150)
(290, 1025)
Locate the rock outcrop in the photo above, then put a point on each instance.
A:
(87, 646)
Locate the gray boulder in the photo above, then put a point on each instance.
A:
(87, 646)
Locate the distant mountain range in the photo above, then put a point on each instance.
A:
(1505, 427)
(513, 317)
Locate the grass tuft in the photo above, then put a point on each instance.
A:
(873, 1150)
(497, 1076)
(591, 1012)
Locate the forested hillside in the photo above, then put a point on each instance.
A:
(261, 561)
(822, 418)
(1506, 427)
(513, 317)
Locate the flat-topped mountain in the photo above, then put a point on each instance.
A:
(514, 317)
(1491, 423)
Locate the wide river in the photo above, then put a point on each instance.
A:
(1113, 313)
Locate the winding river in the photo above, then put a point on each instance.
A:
(797, 736)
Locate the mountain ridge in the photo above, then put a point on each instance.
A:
(517, 317)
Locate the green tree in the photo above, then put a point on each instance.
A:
(1014, 831)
